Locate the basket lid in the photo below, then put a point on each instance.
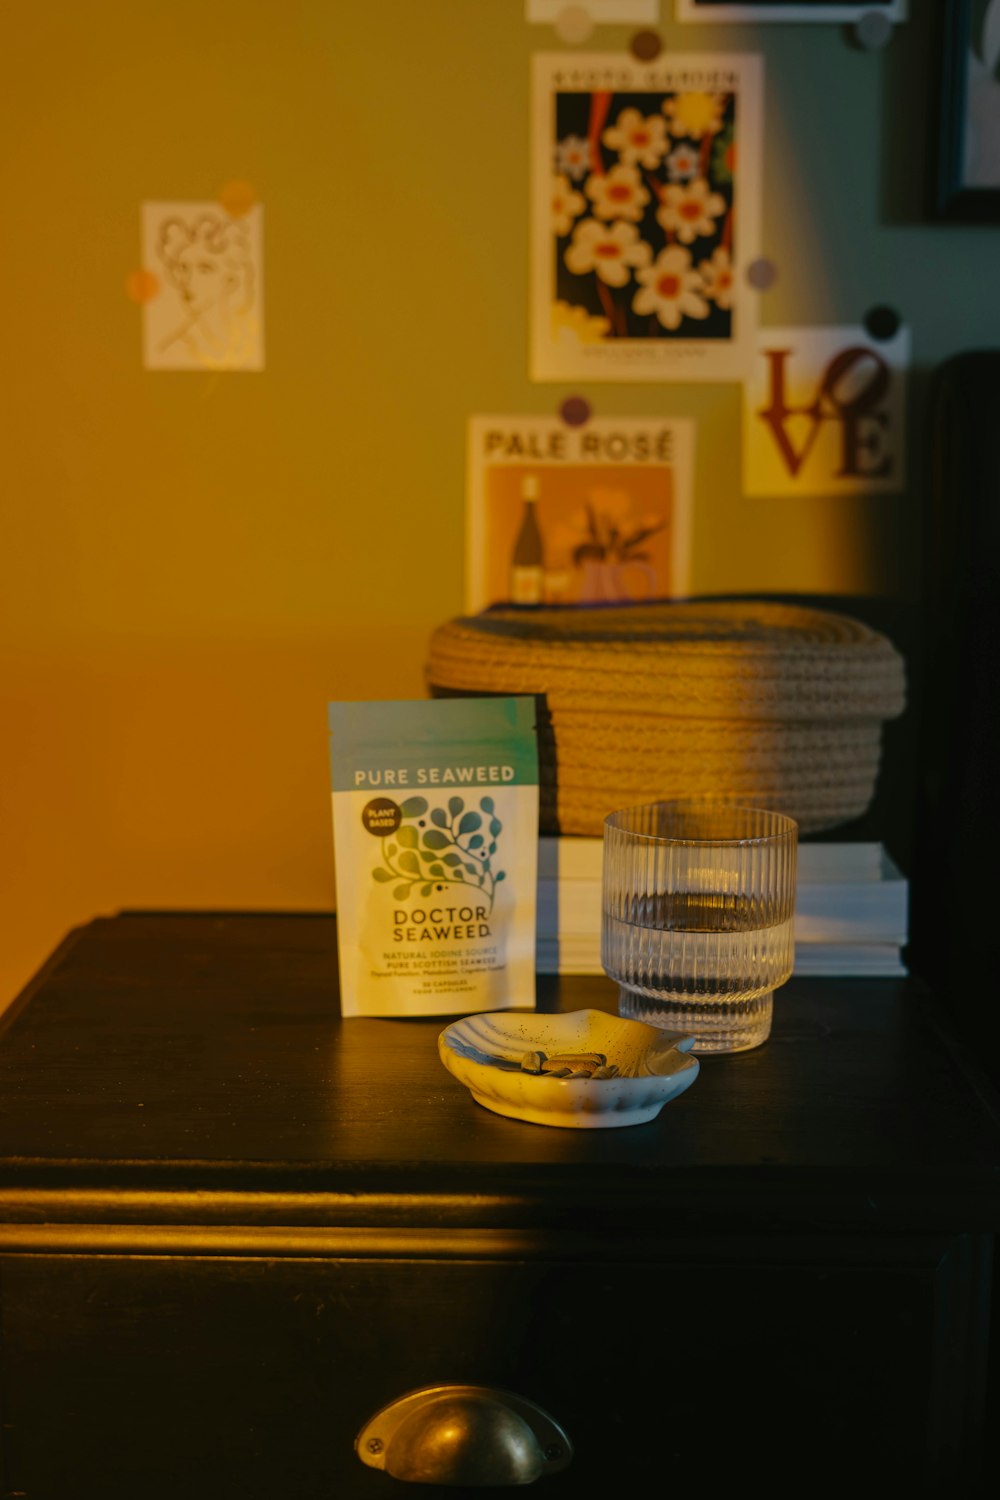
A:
(690, 658)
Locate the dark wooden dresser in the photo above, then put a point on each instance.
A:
(235, 1227)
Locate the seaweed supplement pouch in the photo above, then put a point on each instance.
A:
(435, 830)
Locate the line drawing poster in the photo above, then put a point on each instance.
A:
(824, 413)
(646, 185)
(611, 509)
(208, 311)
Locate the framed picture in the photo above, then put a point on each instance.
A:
(967, 186)
(785, 10)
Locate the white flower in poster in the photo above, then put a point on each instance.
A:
(573, 156)
(637, 138)
(617, 194)
(689, 210)
(671, 289)
(824, 413)
(717, 275)
(683, 162)
(567, 204)
(609, 250)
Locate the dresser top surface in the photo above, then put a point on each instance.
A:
(207, 1051)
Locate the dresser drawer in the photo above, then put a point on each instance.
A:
(241, 1376)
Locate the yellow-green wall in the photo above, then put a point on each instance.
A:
(193, 564)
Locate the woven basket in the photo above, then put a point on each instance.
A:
(772, 702)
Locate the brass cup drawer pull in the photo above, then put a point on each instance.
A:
(463, 1435)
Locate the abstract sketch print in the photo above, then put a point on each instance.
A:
(643, 208)
(209, 263)
(207, 266)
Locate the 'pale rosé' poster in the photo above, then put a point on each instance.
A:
(577, 515)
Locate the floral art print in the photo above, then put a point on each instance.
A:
(645, 217)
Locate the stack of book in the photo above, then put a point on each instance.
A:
(851, 909)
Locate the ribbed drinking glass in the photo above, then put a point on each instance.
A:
(698, 910)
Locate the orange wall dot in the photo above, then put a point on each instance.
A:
(238, 198)
(142, 286)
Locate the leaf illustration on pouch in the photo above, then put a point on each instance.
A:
(456, 829)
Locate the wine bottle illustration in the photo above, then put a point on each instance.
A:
(527, 561)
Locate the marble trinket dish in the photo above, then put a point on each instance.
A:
(582, 1069)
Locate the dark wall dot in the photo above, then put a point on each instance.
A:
(575, 411)
(646, 45)
(882, 322)
(762, 273)
(873, 30)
